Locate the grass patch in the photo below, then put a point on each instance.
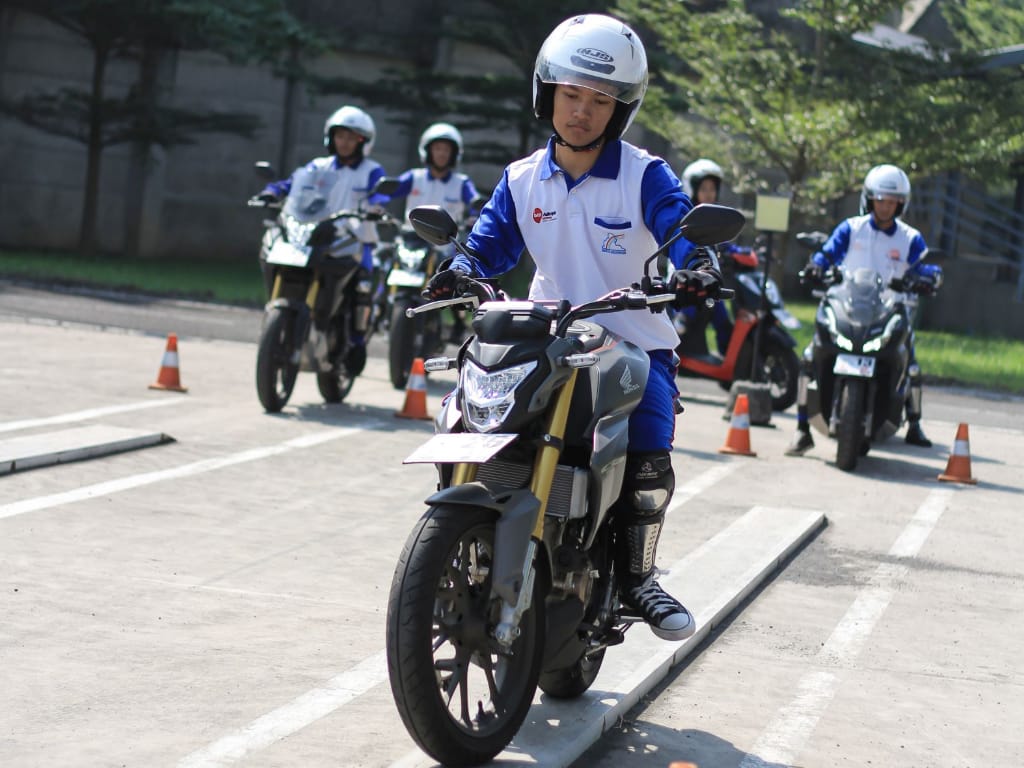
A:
(231, 282)
(987, 363)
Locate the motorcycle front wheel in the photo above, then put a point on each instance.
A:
(275, 371)
(461, 696)
(782, 372)
(402, 333)
(850, 433)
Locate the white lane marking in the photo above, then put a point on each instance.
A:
(292, 717)
(308, 708)
(787, 734)
(701, 483)
(195, 468)
(91, 413)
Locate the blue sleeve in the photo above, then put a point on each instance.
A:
(404, 186)
(834, 250)
(469, 193)
(664, 204)
(376, 175)
(284, 186)
(679, 256)
(917, 250)
(495, 239)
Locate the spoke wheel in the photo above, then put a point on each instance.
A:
(461, 696)
(275, 372)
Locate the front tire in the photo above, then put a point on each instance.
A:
(460, 695)
(275, 371)
(850, 433)
(401, 343)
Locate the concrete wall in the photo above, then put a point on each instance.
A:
(192, 196)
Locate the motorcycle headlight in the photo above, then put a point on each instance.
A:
(298, 232)
(487, 397)
(410, 258)
(875, 344)
(828, 319)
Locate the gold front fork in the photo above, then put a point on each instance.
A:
(545, 463)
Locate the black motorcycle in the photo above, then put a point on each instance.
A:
(507, 582)
(312, 275)
(860, 359)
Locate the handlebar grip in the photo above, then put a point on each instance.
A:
(726, 293)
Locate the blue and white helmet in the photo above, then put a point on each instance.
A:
(597, 52)
(355, 120)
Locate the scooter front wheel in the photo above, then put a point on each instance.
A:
(275, 371)
(461, 695)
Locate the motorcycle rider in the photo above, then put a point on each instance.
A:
(438, 182)
(349, 134)
(589, 192)
(702, 182)
(876, 239)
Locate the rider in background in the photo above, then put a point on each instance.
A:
(702, 182)
(877, 239)
(438, 182)
(348, 136)
(591, 208)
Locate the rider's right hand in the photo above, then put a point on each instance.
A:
(443, 284)
(813, 273)
(263, 198)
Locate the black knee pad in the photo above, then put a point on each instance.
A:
(647, 488)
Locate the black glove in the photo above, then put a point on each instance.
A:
(264, 198)
(443, 284)
(694, 286)
(812, 273)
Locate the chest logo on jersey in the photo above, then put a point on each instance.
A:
(894, 254)
(542, 215)
(613, 243)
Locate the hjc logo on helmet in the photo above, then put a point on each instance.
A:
(593, 53)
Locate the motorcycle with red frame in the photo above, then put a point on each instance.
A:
(761, 327)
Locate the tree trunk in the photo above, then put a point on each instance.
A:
(87, 234)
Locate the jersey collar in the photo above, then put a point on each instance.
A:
(354, 164)
(606, 167)
(889, 231)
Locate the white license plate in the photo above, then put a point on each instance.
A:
(405, 279)
(289, 255)
(459, 447)
(854, 365)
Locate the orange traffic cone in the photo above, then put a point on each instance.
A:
(958, 469)
(737, 441)
(168, 376)
(678, 764)
(415, 393)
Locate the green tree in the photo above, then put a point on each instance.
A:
(142, 30)
(496, 102)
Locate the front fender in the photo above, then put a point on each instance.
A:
(517, 512)
(779, 334)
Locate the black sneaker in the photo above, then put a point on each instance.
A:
(667, 617)
(802, 442)
(916, 436)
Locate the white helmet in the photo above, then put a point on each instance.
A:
(597, 52)
(437, 132)
(885, 182)
(696, 172)
(354, 119)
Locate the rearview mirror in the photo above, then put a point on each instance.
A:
(434, 224)
(710, 224)
(265, 170)
(386, 185)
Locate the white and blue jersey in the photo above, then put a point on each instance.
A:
(454, 192)
(346, 187)
(587, 236)
(858, 243)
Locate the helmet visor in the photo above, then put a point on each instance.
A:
(887, 196)
(593, 74)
